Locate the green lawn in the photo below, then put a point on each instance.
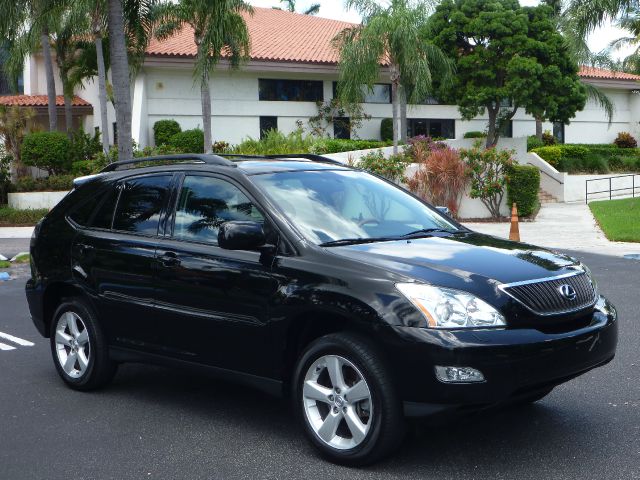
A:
(12, 217)
(619, 219)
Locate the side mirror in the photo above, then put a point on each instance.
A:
(444, 211)
(241, 235)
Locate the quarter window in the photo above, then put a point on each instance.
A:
(104, 216)
(205, 203)
(141, 202)
(290, 90)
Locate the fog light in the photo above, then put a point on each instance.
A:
(458, 374)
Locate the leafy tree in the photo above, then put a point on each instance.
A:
(218, 27)
(395, 35)
(13, 127)
(331, 113)
(290, 5)
(507, 58)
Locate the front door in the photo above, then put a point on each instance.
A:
(218, 299)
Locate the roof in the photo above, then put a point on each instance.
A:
(603, 74)
(276, 35)
(39, 101)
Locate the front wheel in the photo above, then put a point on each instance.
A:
(346, 402)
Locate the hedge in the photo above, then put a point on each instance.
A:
(163, 130)
(522, 188)
(49, 151)
(386, 129)
(53, 183)
(475, 134)
(12, 216)
(335, 145)
(189, 141)
(533, 142)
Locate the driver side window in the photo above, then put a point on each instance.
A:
(207, 202)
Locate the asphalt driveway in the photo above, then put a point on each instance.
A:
(160, 423)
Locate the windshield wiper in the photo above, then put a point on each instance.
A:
(427, 231)
(356, 241)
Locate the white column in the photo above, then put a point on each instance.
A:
(139, 118)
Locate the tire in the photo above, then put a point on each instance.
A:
(375, 415)
(79, 348)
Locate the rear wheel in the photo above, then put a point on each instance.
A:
(79, 348)
(345, 400)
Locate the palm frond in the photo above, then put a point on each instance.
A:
(601, 99)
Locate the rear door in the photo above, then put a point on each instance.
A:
(115, 258)
(217, 300)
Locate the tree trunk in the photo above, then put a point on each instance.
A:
(102, 93)
(68, 114)
(492, 130)
(403, 114)
(205, 97)
(539, 129)
(51, 82)
(120, 76)
(395, 82)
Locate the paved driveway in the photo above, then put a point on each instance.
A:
(159, 423)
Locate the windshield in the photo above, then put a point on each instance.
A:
(335, 205)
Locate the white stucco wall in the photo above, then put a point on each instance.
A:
(33, 200)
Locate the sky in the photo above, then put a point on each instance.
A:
(598, 40)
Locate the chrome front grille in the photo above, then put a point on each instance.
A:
(545, 297)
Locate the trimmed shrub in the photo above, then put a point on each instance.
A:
(551, 154)
(275, 142)
(573, 151)
(163, 130)
(84, 146)
(625, 140)
(386, 130)
(523, 184)
(335, 145)
(391, 168)
(533, 142)
(220, 146)
(53, 183)
(12, 216)
(49, 151)
(475, 134)
(189, 141)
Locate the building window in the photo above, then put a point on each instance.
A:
(432, 127)
(266, 124)
(381, 93)
(558, 131)
(290, 90)
(342, 128)
(507, 130)
(115, 133)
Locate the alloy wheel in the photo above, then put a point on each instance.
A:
(337, 402)
(72, 344)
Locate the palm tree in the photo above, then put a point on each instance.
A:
(630, 21)
(26, 24)
(120, 77)
(97, 13)
(13, 126)
(218, 28)
(395, 35)
(290, 5)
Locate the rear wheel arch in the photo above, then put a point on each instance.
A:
(54, 295)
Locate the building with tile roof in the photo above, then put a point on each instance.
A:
(292, 66)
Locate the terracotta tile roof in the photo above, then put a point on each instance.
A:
(601, 73)
(276, 35)
(39, 101)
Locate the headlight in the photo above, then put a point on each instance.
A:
(587, 270)
(449, 308)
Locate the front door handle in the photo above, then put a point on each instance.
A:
(169, 259)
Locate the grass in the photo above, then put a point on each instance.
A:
(619, 219)
(14, 218)
(23, 258)
(5, 264)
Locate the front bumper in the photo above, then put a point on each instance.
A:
(513, 361)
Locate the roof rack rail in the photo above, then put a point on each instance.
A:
(306, 156)
(199, 157)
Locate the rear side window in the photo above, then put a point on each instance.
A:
(82, 214)
(207, 202)
(140, 204)
(104, 215)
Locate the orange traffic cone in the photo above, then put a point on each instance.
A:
(514, 233)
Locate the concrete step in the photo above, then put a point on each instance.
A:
(546, 197)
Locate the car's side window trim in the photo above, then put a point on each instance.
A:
(163, 210)
(170, 228)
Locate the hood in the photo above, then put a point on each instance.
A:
(468, 256)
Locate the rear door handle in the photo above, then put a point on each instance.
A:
(169, 259)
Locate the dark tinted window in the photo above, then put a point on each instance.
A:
(290, 90)
(433, 127)
(268, 123)
(207, 202)
(342, 127)
(107, 204)
(82, 213)
(140, 204)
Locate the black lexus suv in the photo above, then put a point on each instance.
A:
(305, 278)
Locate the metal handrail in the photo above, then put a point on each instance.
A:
(611, 189)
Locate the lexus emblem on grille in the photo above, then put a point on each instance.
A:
(567, 291)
